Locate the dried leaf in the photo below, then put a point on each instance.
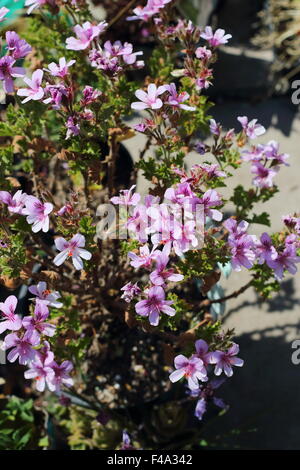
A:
(10, 283)
(51, 276)
(13, 181)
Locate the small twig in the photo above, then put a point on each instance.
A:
(121, 13)
(234, 294)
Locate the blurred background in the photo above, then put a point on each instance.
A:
(253, 77)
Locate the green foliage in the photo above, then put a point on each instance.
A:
(161, 167)
(229, 157)
(85, 432)
(161, 63)
(68, 325)
(262, 219)
(6, 159)
(264, 282)
(13, 255)
(47, 35)
(201, 263)
(18, 426)
(199, 122)
(129, 245)
(245, 200)
(181, 307)
(87, 228)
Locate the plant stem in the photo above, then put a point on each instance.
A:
(121, 13)
(234, 294)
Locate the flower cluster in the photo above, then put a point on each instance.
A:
(116, 57)
(164, 223)
(151, 100)
(246, 249)
(197, 367)
(36, 211)
(37, 214)
(16, 48)
(27, 340)
(265, 162)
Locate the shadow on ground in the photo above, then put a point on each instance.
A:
(285, 300)
(264, 398)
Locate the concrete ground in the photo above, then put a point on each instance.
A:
(264, 395)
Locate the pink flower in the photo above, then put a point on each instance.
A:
(15, 203)
(73, 127)
(236, 230)
(203, 53)
(22, 347)
(137, 223)
(176, 99)
(3, 12)
(272, 153)
(18, 48)
(286, 260)
(145, 13)
(35, 91)
(130, 291)
(149, 99)
(57, 94)
(90, 95)
(242, 245)
(41, 370)
(293, 223)
(145, 258)
(192, 369)
(37, 213)
(265, 250)
(11, 320)
(264, 176)
(211, 171)
(103, 61)
(225, 360)
(62, 374)
(65, 210)
(212, 198)
(117, 49)
(154, 305)
(252, 128)
(161, 274)
(202, 351)
(36, 322)
(85, 35)
(217, 38)
(185, 237)
(255, 154)
(126, 197)
(215, 128)
(7, 71)
(45, 295)
(72, 248)
(164, 224)
(202, 83)
(61, 69)
(242, 252)
(180, 194)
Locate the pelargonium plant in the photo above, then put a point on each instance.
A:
(119, 330)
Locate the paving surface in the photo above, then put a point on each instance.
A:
(265, 394)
